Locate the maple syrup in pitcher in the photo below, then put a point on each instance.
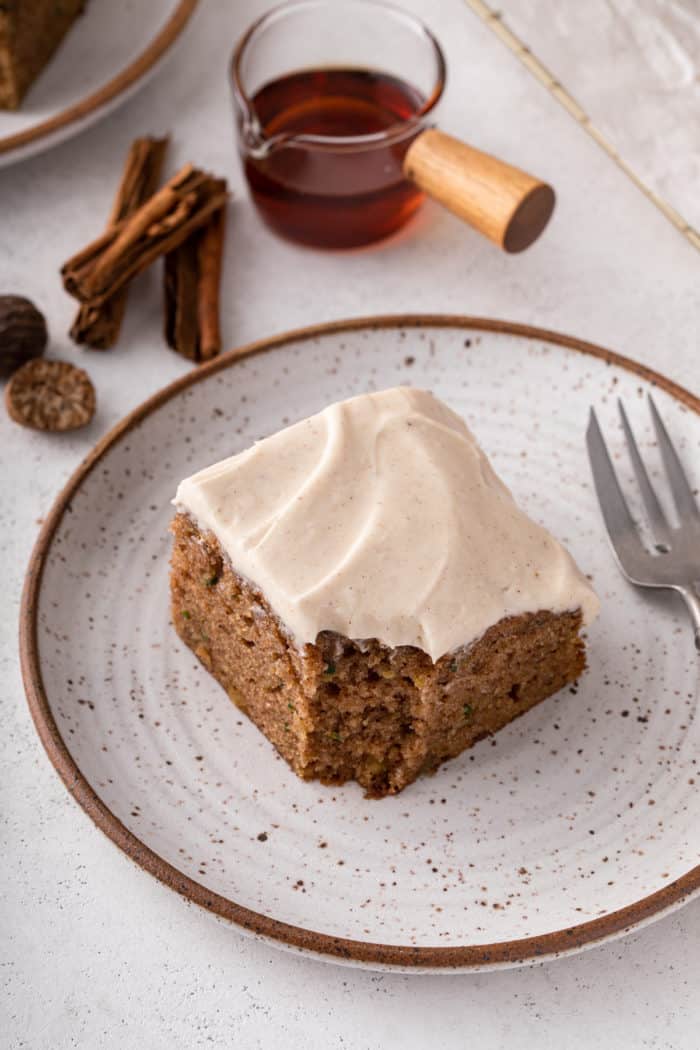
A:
(324, 191)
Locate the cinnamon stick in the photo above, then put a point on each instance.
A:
(192, 280)
(98, 326)
(161, 224)
(181, 278)
(211, 252)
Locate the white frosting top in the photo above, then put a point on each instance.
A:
(381, 517)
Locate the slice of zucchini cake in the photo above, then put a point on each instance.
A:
(366, 589)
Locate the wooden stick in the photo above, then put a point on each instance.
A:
(162, 223)
(98, 326)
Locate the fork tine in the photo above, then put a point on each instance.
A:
(657, 518)
(680, 487)
(613, 505)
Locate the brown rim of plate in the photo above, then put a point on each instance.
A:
(160, 43)
(459, 957)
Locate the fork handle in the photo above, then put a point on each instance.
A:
(693, 604)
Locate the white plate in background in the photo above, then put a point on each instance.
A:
(107, 55)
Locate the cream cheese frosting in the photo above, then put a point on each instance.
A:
(381, 517)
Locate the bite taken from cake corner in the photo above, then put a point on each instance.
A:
(367, 591)
(30, 32)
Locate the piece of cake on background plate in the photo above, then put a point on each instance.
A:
(30, 32)
(367, 591)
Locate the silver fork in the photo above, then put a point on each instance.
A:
(674, 563)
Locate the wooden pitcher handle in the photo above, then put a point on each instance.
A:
(504, 203)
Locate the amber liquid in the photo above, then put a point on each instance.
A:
(334, 196)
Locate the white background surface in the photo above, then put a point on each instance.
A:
(94, 952)
(608, 52)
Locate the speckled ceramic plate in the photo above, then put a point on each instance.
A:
(575, 824)
(108, 54)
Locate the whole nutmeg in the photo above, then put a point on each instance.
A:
(23, 334)
(50, 395)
